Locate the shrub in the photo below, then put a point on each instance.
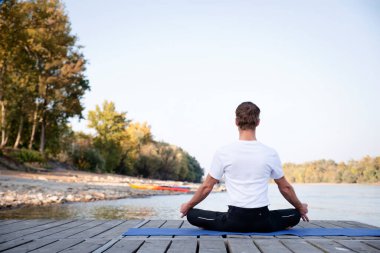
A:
(27, 156)
(88, 159)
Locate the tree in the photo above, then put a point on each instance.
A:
(42, 69)
(110, 127)
(135, 136)
(59, 64)
(15, 66)
(168, 162)
(107, 122)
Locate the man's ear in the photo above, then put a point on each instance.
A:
(236, 122)
(258, 123)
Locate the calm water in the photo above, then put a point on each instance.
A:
(327, 202)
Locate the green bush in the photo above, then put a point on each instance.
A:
(27, 156)
(88, 159)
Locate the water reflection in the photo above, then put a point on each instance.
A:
(123, 212)
(39, 212)
(78, 210)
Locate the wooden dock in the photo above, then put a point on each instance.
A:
(105, 236)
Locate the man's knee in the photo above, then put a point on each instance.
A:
(297, 217)
(192, 215)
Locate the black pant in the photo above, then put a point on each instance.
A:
(239, 219)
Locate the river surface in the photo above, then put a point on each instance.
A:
(326, 202)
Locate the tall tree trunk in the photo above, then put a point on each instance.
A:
(18, 138)
(43, 118)
(3, 133)
(43, 128)
(4, 139)
(34, 127)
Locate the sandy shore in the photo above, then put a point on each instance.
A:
(60, 186)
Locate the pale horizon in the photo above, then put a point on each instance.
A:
(184, 66)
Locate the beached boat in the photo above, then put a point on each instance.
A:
(160, 187)
(143, 186)
(173, 188)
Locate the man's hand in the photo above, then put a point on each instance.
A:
(185, 207)
(289, 194)
(199, 195)
(303, 211)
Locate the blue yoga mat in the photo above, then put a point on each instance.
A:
(297, 232)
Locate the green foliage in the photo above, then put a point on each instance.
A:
(109, 124)
(88, 159)
(128, 148)
(42, 78)
(366, 170)
(27, 156)
(110, 127)
(163, 161)
(111, 152)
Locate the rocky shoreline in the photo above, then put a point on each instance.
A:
(44, 188)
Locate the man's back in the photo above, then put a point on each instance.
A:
(247, 167)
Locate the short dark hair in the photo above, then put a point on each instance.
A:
(247, 116)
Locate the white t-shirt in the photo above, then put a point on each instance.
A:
(247, 167)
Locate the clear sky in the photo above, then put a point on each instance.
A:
(313, 67)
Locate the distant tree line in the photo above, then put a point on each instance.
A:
(42, 84)
(366, 170)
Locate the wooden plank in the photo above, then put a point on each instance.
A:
(355, 224)
(372, 243)
(118, 230)
(118, 237)
(26, 224)
(154, 224)
(183, 246)
(97, 229)
(299, 225)
(154, 246)
(13, 243)
(187, 224)
(324, 224)
(329, 224)
(240, 245)
(309, 225)
(87, 246)
(212, 246)
(328, 245)
(238, 236)
(33, 245)
(170, 224)
(76, 230)
(342, 224)
(58, 246)
(125, 246)
(32, 230)
(300, 246)
(261, 237)
(359, 224)
(151, 224)
(358, 246)
(54, 230)
(287, 237)
(272, 245)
